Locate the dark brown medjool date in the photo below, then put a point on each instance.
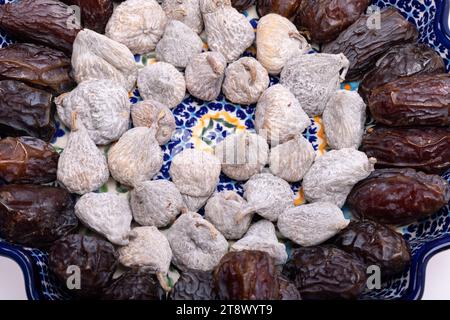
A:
(398, 196)
(35, 215)
(326, 272)
(363, 42)
(288, 290)
(94, 13)
(285, 8)
(25, 111)
(136, 284)
(37, 66)
(425, 149)
(27, 160)
(95, 258)
(246, 275)
(194, 285)
(46, 22)
(404, 60)
(376, 244)
(326, 19)
(422, 100)
(242, 5)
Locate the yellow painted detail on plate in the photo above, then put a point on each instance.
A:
(300, 198)
(322, 139)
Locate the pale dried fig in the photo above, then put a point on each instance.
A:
(205, 74)
(194, 203)
(96, 56)
(186, 11)
(136, 157)
(245, 81)
(138, 24)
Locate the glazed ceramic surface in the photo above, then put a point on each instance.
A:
(202, 125)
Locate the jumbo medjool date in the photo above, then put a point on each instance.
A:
(405, 60)
(398, 196)
(194, 285)
(326, 272)
(326, 19)
(27, 160)
(95, 258)
(46, 22)
(94, 13)
(422, 100)
(25, 111)
(35, 215)
(362, 43)
(426, 149)
(375, 244)
(135, 284)
(246, 275)
(38, 66)
(285, 8)
(242, 5)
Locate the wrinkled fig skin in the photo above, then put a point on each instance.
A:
(186, 11)
(48, 22)
(246, 275)
(227, 31)
(16, 98)
(288, 290)
(242, 5)
(135, 284)
(398, 196)
(138, 24)
(285, 8)
(96, 258)
(194, 285)
(326, 19)
(96, 57)
(94, 13)
(326, 272)
(38, 66)
(27, 160)
(363, 46)
(426, 149)
(375, 244)
(422, 100)
(194, 204)
(34, 215)
(405, 60)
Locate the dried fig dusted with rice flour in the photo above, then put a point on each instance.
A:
(277, 41)
(136, 157)
(333, 175)
(227, 31)
(163, 83)
(344, 119)
(262, 237)
(156, 203)
(194, 203)
(313, 79)
(178, 45)
(95, 56)
(101, 105)
(279, 115)
(195, 173)
(138, 24)
(245, 81)
(292, 159)
(186, 11)
(106, 213)
(150, 113)
(268, 196)
(82, 167)
(204, 75)
(148, 249)
(312, 224)
(196, 243)
(242, 155)
(223, 210)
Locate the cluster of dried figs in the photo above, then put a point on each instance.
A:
(225, 244)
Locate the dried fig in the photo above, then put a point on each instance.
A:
(194, 204)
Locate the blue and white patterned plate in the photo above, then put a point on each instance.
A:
(203, 124)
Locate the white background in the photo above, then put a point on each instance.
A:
(437, 285)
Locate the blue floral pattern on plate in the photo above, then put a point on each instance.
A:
(203, 124)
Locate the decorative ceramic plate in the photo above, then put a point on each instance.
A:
(202, 125)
